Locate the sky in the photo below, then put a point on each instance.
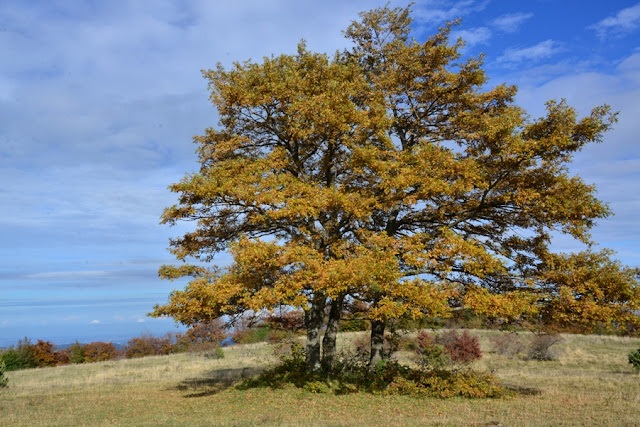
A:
(99, 102)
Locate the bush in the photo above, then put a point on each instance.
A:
(362, 346)
(44, 354)
(148, 345)
(209, 332)
(430, 354)
(100, 351)
(3, 379)
(21, 357)
(76, 353)
(634, 359)
(463, 348)
(250, 334)
(290, 321)
(540, 347)
(384, 378)
(218, 353)
(507, 344)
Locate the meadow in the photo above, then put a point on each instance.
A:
(589, 383)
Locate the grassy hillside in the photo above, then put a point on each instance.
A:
(591, 383)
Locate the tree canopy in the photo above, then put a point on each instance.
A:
(389, 174)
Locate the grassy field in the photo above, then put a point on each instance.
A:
(590, 383)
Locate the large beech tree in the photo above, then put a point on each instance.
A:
(388, 174)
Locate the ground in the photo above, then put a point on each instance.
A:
(591, 383)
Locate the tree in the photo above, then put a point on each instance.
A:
(99, 351)
(3, 378)
(385, 174)
(44, 354)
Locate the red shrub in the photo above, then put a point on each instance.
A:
(148, 345)
(463, 348)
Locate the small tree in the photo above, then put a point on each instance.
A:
(3, 378)
(634, 359)
(100, 351)
(76, 353)
(44, 353)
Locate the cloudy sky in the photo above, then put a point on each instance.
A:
(99, 101)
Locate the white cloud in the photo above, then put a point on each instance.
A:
(614, 165)
(4, 323)
(537, 52)
(473, 36)
(510, 23)
(623, 23)
(431, 12)
(66, 275)
(140, 320)
(95, 322)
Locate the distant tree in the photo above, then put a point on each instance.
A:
(3, 378)
(44, 354)
(387, 173)
(100, 351)
(76, 353)
(148, 345)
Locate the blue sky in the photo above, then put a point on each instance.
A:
(99, 101)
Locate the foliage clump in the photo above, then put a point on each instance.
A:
(429, 353)
(99, 351)
(507, 344)
(463, 348)
(387, 378)
(541, 347)
(20, 357)
(634, 360)
(3, 378)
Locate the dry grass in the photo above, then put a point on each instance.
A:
(591, 383)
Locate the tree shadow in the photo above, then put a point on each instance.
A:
(215, 381)
(522, 390)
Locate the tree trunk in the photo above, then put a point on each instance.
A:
(313, 322)
(329, 340)
(377, 342)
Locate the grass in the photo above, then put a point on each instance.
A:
(591, 383)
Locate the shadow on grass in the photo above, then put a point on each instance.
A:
(521, 390)
(215, 381)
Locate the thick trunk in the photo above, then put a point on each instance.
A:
(329, 340)
(313, 323)
(377, 342)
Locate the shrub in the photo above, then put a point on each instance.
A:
(148, 345)
(540, 347)
(76, 353)
(217, 353)
(63, 357)
(430, 354)
(100, 351)
(11, 360)
(507, 344)
(634, 359)
(44, 354)
(384, 378)
(250, 334)
(290, 321)
(463, 348)
(20, 357)
(208, 332)
(362, 346)
(3, 379)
